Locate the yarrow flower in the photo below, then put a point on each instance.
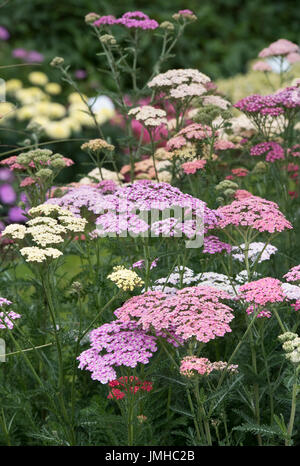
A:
(131, 19)
(213, 245)
(125, 279)
(255, 250)
(7, 317)
(192, 365)
(273, 149)
(191, 312)
(149, 116)
(137, 20)
(253, 211)
(123, 385)
(261, 292)
(261, 66)
(95, 145)
(50, 224)
(113, 345)
(176, 77)
(291, 345)
(191, 133)
(293, 274)
(279, 47)
(191, 167)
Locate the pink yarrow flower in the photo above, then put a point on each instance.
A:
(191, 312)
(293, 274)
(253, 211)
(191, 167)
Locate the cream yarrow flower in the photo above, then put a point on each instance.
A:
(14, 231)
(124, 278)
(95, 145)
(150, 116)
(35, 254)
(42, 231)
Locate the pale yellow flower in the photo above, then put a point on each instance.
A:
(53, 88)
(13, 85)
(124, 278)
(38, 78)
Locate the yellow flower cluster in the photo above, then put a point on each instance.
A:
(35, 105)
(50, 225)
(124, 278)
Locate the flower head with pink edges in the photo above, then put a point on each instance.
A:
(193, 312)
(255, 212)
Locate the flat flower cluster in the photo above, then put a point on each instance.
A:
(256, 250)
(261, 292)
(191, 312)
(191, 366)
(293, 274)
(190, 134)
(291, 345)
(7, 317)
(50, 225)
(150, 116)
(38, 164)
(273, 104)
(273, 151)
(113, 345)
(125, 279)
(121, 386)
(131, 19)
(253, 211)
(180, 83)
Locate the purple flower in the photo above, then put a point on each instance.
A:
(4, 34)
(109, 19)
(80, 74)
(19, 53)
(16, 214)
(34, 56)
(7, 194)
(6, 174)
(138, 20)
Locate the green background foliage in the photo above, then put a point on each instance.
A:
(226, 36)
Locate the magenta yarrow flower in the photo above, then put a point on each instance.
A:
(7, 317)
(273, 151)
(213, 245)
(131, 19)
(273, 104)
(105, 20)
(4, 34)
